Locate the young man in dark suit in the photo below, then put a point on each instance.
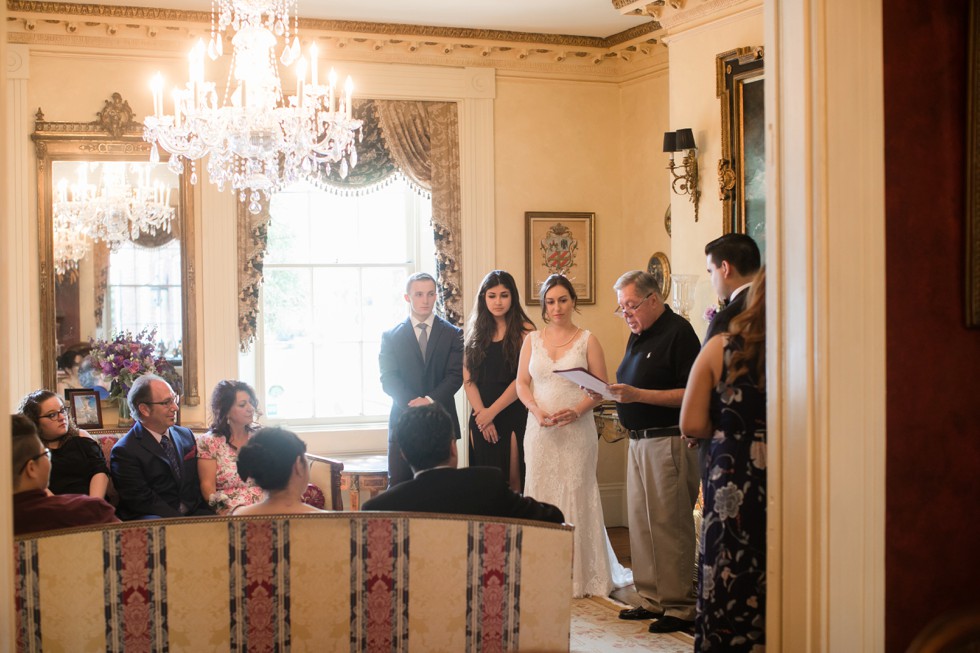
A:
(732, 261)
(154, 466)
(426, 439)
(421, 363)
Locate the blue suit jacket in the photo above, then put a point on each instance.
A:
(145, 481)
(404, 376)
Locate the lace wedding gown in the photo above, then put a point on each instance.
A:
(561, 468)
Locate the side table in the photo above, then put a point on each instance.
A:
(367, 473)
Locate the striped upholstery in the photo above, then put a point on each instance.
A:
(334, 582)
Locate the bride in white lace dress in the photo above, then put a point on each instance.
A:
(561, 444)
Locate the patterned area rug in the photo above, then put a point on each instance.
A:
(596, 627)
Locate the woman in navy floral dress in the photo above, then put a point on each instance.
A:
(726, 402)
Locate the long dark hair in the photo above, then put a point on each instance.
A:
(749, 327)
(222, 399)
(482, 327)
(30, 406)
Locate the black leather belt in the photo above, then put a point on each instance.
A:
(665, 432)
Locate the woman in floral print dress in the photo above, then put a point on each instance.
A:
(233, 408)
(726, 402)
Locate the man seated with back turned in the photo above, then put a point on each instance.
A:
(36, 510)
(427, 440)
(154, 466)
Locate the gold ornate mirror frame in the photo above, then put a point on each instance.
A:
(114, 136)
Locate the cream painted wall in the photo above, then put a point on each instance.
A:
(559, 148)
(584, 146)
(694, 103)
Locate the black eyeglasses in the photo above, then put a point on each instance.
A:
(629, 310)
(53, 415)
(46, 452)
(174, 400)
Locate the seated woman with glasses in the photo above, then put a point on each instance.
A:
(276, 460)
(233, 409)
(77, 463)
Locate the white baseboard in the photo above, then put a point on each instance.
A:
(613, 499)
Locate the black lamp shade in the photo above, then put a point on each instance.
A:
(685, 140)
(670, 141)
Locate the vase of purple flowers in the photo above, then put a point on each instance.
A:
(126, 357)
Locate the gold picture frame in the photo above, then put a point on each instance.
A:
(563, 243)
(740, 79)
(659, 266)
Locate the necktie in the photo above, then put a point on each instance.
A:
(171, 452)
(423, 338)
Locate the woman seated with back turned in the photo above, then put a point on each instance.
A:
(77, 463)
(233, 408)
(276, 460)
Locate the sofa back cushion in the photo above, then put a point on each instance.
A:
(339, 581)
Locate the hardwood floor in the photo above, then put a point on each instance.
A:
(619, 537)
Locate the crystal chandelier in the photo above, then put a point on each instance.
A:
(256, 139)
(114, 211)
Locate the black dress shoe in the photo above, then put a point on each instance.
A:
(639, 613)
(668, 624)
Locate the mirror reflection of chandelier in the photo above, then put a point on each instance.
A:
(256, 139)
(124, 204)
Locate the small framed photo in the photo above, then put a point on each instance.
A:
(560, 243)
(85, 408)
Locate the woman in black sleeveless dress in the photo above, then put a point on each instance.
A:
(725, 403)
(495, 333)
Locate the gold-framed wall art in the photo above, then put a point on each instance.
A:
(740, 80)
(559, 243)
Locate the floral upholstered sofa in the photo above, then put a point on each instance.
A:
(328, 582)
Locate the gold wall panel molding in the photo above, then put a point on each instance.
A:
(132, 34)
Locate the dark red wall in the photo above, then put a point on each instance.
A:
(933, 451)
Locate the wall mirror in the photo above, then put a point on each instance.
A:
(116, 241)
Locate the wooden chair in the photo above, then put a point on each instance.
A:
(325, 473)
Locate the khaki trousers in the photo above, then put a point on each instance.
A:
(662, 488)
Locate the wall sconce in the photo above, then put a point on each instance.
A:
(686, 183)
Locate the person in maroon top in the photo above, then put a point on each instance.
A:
(36, 510)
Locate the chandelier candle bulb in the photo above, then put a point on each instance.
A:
(314, 53)
(176, 107)
(156, 85)
(348, 91)
(300, 76)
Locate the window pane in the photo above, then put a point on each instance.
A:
(334, 281)
(144, 291)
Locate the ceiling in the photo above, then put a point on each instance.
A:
(596, 18)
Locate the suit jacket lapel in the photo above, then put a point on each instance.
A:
(150, 443)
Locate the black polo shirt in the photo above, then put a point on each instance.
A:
(659, 358)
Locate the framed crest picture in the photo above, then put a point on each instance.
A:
(85, 407)
(560, 243)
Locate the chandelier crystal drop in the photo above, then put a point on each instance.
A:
(257, 140)
(122, 206)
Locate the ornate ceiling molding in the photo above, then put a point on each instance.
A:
(139, 28)
(673, 13)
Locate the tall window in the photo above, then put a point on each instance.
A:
(335, 275)
(144, 289)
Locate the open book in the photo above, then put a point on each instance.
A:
(582, 377)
